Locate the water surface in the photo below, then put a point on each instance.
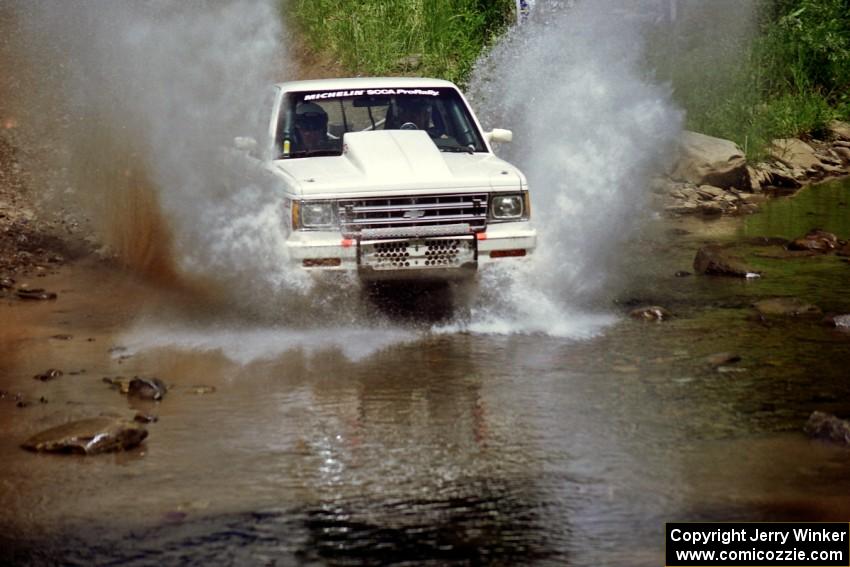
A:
(390, 443)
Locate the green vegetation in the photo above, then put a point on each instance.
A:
(787, 73)
(790, 77)
(438, 38)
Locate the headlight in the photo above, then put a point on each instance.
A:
(313, 214)
(505, 207)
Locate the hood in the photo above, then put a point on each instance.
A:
(400, 161)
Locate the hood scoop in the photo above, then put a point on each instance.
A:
(389, 155)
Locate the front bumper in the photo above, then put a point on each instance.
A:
(412, 256)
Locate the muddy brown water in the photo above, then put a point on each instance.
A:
(431, 448)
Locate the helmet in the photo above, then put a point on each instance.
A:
(311, 116)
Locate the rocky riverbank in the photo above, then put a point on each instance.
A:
(33, 242)
(712, 176)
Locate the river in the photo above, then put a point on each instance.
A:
(416, 444)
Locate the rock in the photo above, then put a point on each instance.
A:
(842, 152)
(815, 240)
(705, 160)
(783, 178)
(839, 129)
(721, 358)
(37, 294)
(146, 388)
(759, 177)
(48, 375)
(714, 260)
(828, 157)
(795, 153)
(711, 209)
(839, 321)
(119, 382)
(709, 192)
(786, 307)
(753, 198)
(7, 283)
(145, 418)
(826, 426)
(88, 436)
(650, 313)
(682, 207)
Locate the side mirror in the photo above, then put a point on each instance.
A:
(499, 135)
(246, 144)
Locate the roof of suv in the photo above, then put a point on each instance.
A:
(364, 83)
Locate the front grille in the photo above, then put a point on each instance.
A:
(371, 213)
(417, 254)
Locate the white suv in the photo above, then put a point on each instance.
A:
(392, 178)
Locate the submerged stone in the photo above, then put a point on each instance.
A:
(716, 261)
(147, 388)
(815, 240)
(88, 436)
(839, 321)
(145, 418)
(786, 307)
(48, 375)
(35, 294)
(721, 358)
(650, 313)
(826, 426)
(119, 382)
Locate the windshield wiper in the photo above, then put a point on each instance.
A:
(316, 152)
(470, 149)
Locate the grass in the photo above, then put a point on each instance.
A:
(789, 78)
(438, 38)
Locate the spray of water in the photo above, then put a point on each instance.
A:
(142, 96)
(140, 100)
(590, 128)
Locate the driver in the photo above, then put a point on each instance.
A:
(311, 124)
(415, 111)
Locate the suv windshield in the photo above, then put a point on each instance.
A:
(313, 123)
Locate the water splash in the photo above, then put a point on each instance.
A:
(590, 128)
(141, 99)
(148, 93)
(247, 345)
